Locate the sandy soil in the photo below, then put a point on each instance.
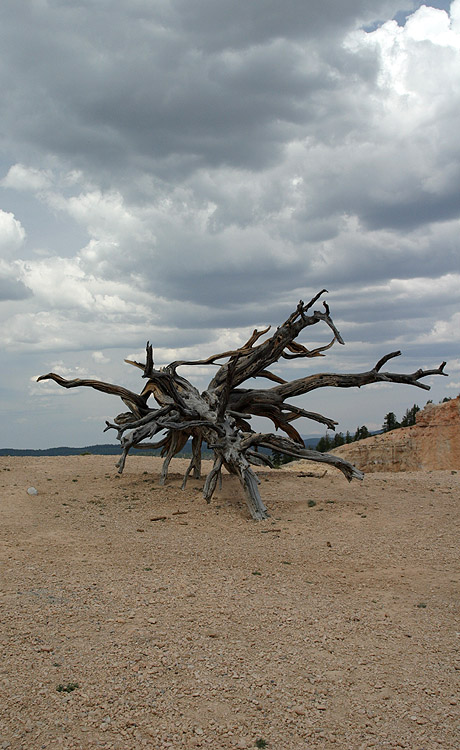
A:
(334, 624)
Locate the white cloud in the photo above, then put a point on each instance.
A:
(454, 365)
(62, 283)
(20, 177)
(100, 358)
(432, 24)
(445, 331)
(12, 234)
(56, 331)
(12, 237)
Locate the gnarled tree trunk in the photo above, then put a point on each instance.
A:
(220, 416)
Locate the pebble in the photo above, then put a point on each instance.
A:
(32, 491)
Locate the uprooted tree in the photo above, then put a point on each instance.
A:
(220, 415)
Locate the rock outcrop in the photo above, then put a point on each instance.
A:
(432, 443)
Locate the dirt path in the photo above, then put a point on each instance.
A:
(335, 624)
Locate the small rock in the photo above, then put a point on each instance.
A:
(32, 491)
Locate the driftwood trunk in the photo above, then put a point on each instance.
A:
(220, 416)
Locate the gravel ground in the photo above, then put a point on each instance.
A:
(137, 616)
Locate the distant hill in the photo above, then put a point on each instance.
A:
(97, 450)
(311, 440)
(109, 449)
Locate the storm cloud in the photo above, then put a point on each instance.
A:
(182, 172)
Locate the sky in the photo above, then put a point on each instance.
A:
(183, 172)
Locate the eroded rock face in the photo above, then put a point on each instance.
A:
(432, 443)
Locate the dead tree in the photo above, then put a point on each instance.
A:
(220, 416)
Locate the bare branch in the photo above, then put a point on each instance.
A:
(356, 380)
(136, 403)
(301, 351)
(289, 448)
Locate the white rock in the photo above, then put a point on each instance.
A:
(32, 491)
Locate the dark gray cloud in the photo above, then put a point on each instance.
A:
(209, 82)
(413, 210)
(185, 171)
(237, 24)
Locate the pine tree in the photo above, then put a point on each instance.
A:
(338, 439)
(409, 418)
(324, 444)
(361, 433)
(390, 423)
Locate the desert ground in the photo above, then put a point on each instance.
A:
(137, 616)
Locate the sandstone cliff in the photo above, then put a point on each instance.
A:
(432, 443)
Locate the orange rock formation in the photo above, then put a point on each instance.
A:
(432, 443)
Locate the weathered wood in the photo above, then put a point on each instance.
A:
(221, 415)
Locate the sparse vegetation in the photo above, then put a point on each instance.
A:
(69, 688)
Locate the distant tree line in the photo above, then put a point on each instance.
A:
(327, 443)
(391, 423)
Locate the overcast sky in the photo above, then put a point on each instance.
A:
(183, 171)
